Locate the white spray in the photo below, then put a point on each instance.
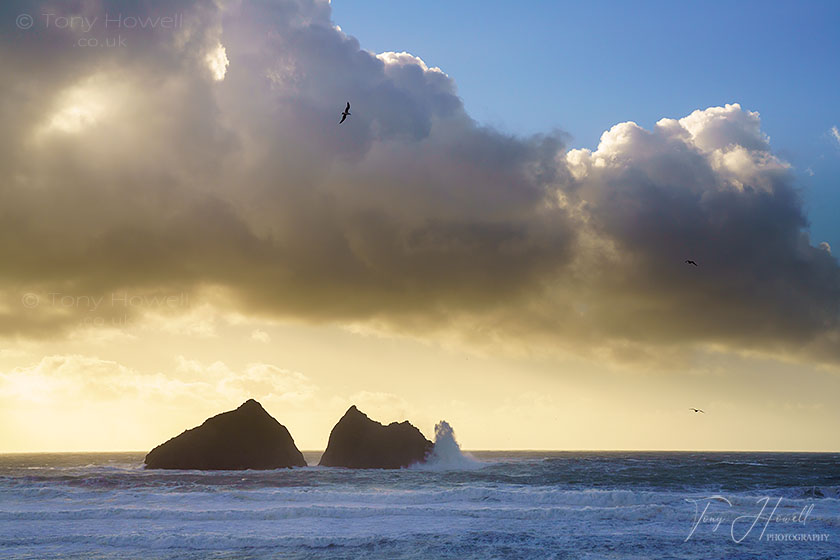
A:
(447, 454)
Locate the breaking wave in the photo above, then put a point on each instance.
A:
(447, 454)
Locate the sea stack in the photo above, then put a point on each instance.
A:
(245, 438)
(358, 442)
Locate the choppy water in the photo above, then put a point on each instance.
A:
(505, 505)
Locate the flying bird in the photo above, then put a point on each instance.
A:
(697, 410)
(690, 262)
(345, 113)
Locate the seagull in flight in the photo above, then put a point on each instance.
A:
(697, 410)
(690, 262)
(345, 113)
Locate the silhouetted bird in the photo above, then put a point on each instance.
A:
(691, 262)
(697, 410)
(345, 113)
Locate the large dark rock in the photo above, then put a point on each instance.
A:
(361, 443)
(245, 438)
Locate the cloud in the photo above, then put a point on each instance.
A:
(718, 197)
(61, 378)
(59, 401)
(835, 133)
(218, 62)
(260, 336)
(139, 169)
(68, 378)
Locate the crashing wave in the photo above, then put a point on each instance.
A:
(446, 454)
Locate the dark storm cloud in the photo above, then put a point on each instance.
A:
(209, 154)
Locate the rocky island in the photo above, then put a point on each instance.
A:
(358, 442)
(245, 438)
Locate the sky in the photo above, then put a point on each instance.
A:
(582, 67)
(496, 236)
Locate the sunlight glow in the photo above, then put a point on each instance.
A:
(78, 108)
(217, 62)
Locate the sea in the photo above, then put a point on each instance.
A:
(482, 505)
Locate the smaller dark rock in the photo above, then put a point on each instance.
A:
(358, 442)
(245, 438)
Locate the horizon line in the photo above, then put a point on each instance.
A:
(523, 450)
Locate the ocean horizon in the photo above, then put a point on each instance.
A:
(481, 504)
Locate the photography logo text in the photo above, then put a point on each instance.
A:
(767, 519)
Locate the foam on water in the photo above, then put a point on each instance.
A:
(507, 505)
(447, 454)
